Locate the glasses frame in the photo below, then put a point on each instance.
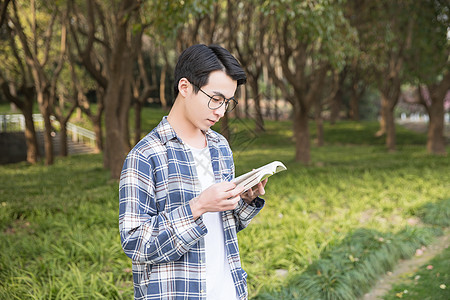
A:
(225, 100)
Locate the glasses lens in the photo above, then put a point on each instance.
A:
(215, 102)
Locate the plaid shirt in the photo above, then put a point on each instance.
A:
(157, 229)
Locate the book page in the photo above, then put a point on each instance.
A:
(252, 178)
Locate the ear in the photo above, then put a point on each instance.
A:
(184, 87)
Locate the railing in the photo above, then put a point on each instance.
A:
(16, 122)
(418, 117)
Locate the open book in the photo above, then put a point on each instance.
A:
(252, 178)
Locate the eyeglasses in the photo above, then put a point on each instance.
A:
(217, 101)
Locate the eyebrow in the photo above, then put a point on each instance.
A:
(222, 95)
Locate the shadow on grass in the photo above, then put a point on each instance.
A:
(349, 269)
(435, 213)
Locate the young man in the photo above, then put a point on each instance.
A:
(179, 214)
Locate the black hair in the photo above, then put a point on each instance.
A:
(198, 61)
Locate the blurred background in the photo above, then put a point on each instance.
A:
(320, 60)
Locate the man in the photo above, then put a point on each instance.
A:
(179, 214)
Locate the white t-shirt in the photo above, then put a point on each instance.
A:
(219, 283)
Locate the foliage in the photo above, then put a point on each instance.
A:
(58, 224)
(317, 25)
(429, 57)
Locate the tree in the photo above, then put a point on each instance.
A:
(106, 45)
(80, 91)
(17, 85)
(385, 29)
(246, 28)
(432, 98)
(3, 7)
(143, 86)
(308, 39)
(43, 58)
(108, 37)
(63, 110)
(428, 66)
(325, 100)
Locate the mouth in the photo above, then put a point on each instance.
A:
(212, 122)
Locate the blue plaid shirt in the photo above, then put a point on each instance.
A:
(157, 229)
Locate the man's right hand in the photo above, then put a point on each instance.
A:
(218, 197)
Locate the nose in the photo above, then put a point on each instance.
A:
(220, 111)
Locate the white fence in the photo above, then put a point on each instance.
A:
(417, 117)
(16, 122)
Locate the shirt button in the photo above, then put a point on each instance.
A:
(202, 291)
(148, 246)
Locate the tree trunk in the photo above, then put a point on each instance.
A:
(26, 107)
(242, 95)
(48, 142)
(354, 104)
(382, 130)
(387, 109)
(162, 87)
(63, 139)
(225, 127)
(30, 132)
(247, 106)
(301, 133)
(117, 103)
(115, 146)
(337, 100)
(259, 121)
(97, 126)
(137, 121)
(275, 108)
(336, 105)
(436, 139)
(97, 119)
(319, 124)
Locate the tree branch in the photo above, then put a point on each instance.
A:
(3, 8)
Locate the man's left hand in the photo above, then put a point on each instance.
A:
(256, 191)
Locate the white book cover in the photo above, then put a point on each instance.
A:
(252, 178)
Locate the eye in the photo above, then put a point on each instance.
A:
(217, 99)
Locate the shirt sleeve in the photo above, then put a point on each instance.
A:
(148, 235)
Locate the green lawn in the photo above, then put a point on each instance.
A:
(326, 231)
(431, 281)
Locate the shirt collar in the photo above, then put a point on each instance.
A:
(166, 132)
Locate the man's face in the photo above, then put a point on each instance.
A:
(198, 112)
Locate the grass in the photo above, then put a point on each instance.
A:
(59, 236)
(431, 281)
(324, 230)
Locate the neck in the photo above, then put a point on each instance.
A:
(184, 128)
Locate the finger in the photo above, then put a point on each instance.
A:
(234, 192)
(261, 190)
(232, 203)
(264, 182)
(251, 193)
(227, 186)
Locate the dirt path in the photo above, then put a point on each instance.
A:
(409, 266)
